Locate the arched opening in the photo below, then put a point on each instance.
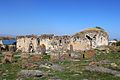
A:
(31, 48)
(38, 41)
(60, 42)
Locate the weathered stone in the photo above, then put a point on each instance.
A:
(52, 66)
(45, 66)
(29, 65)
(84, 40)
(89, 38)
(30, 73)
(56, 67)
(35, 58)
(114, 65)
(103, 70)
(8, 58)
(27, 43)
(92, 63)
(89, 53)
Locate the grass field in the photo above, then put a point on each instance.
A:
(74, 70)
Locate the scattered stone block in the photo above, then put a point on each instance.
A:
(56, 67)
(29, 65)
(114, 65)
(7, 58)
(30, 73)
(92, 63)
(102, 70)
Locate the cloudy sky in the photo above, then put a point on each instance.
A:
(21, 17)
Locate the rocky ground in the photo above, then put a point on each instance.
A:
(103, 66)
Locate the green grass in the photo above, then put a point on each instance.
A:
(46, 57)
(73, 69)
(10, 71)
(107, 56)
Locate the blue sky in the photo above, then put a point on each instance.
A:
(21, 17)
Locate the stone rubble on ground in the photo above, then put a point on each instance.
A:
(7, 58)
(52, 66)
(30, 73)
(102, 70)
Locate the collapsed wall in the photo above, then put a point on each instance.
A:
(89, 38)
(84, 40)
(26, 43)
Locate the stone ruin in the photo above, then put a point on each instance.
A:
(43, 43)
(7, 58)
(88, 39)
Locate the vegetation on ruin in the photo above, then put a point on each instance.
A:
(94, 29)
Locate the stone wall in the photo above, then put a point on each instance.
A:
(27, 43)
(84, 40)
(88, 39)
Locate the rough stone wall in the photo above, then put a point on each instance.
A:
(20, 44)
(27, 43)
(54, 42)
(88, 39)
(79, 43)
(46, 40)
(84, 40)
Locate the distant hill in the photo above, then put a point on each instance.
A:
(6, 36)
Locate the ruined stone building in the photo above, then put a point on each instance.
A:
(89, 38)
(32, 43)
(27, 43)
(84, 40)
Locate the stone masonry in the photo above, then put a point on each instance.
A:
(84, 40)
